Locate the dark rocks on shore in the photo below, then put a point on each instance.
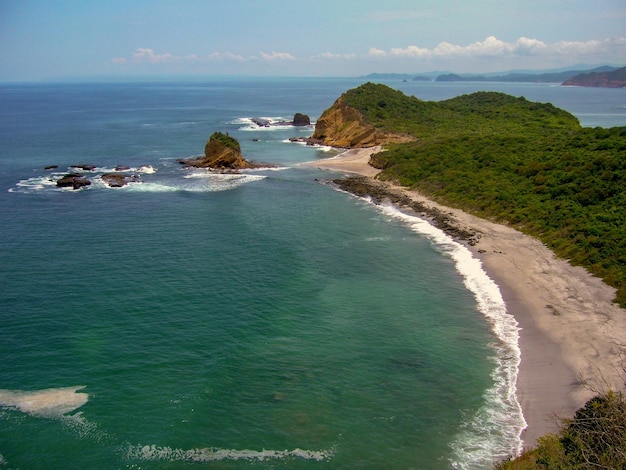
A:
(300, 119)
(117, 180)
(306, 140)
(73, 180)
(51, 167)
(84, 167)
(261, 122)
(379, 192)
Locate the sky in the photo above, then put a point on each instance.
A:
(45, 39)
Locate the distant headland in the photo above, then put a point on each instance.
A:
(604, 76)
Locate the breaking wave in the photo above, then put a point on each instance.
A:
(495, 430)
(168, 454)
(196, 181)
(48, 181)
(264, 123)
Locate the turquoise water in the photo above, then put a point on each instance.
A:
(258, 320)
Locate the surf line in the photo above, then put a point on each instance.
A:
(158, 453)
(486, 434)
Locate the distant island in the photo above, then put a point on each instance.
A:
(507, 159)
(549, 77)
(605, 76)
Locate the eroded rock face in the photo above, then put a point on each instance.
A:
(343, 126)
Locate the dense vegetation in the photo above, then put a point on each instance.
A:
(594, 438)
(225, 140)
(527, 164)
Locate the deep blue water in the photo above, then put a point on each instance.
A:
(257, 320)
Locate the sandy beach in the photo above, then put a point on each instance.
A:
(570, 330)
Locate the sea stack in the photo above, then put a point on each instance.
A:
(221, 152)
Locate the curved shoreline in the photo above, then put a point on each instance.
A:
(570, 330)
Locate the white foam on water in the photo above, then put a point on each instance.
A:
(84, 428)
(48, 403)
(148, 169)
(321, 148)
(495, 430)
(274, 123)
(266, 168)
(48, 181)
(168, 454)
(143, 169)
(199, 181)
(208, 181)
(36, 183)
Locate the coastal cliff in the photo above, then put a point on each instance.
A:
(344, 126)
(221, 152)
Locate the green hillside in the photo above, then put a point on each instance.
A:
(527, 164)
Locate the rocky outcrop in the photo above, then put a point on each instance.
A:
(221, 152)
(73, 180)
(343, 126)
(300, 119)
(378, 192)
(117, 180)
(261, 122)
(84, 167)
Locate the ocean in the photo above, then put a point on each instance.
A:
(254, 320)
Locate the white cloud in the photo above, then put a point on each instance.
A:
(494, 47)
(490, 53)
(142, 54)
(376, 52)
(225, 56)
(610, 45)
(277, 56)
(411, 51)
(332, 56)
(526, 46)
(147, 55)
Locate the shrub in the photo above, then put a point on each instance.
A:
(594, 438)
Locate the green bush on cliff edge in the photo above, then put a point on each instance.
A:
(225, 140)
(594, 438)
